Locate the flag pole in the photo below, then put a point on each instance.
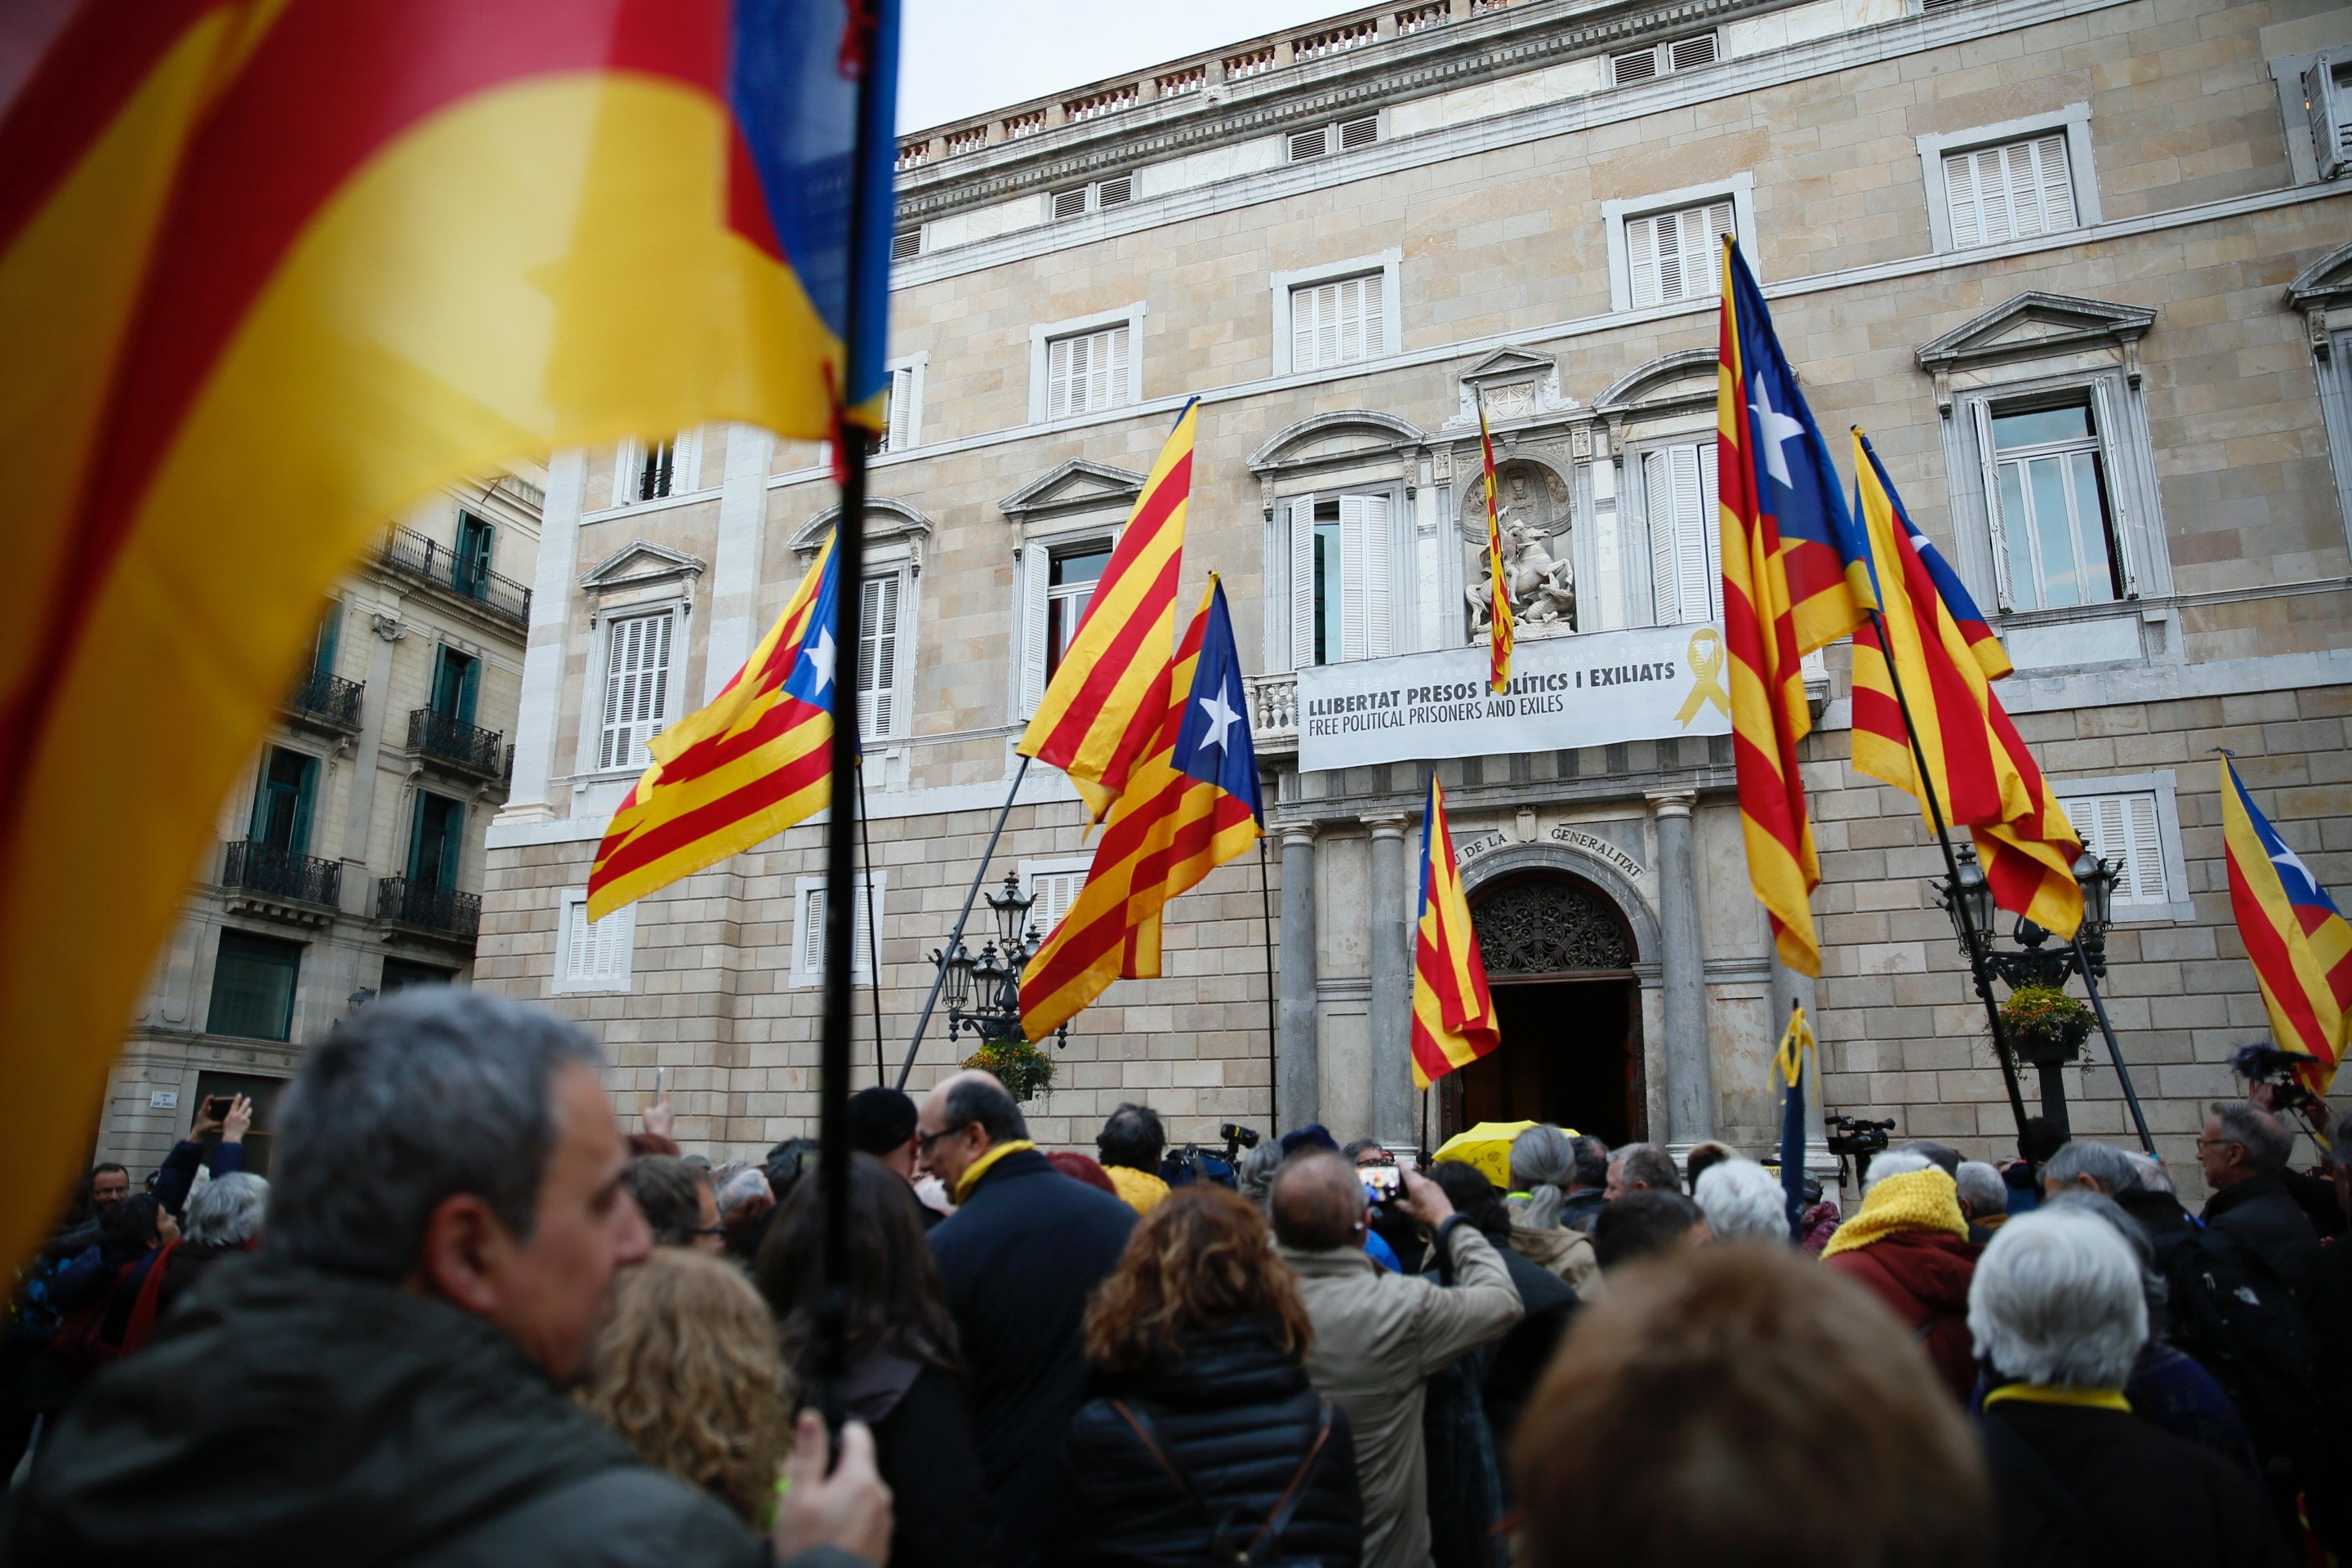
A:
(873, 933)
(1952, 870)
(1273, 1017)
(955, 938)
(2115, 1051)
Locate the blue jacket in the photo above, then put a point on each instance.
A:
(1020, 1257)
(178, 1171)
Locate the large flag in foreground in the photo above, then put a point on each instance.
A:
(1101, 708)
(2296, 937)
(1796, 1044)
(1939, 645)
(1498, 607)
(741, 770)
(1190, 806)
(269, 271)
(1453, 1021)
(1795, 578)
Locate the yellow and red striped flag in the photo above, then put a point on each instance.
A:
(270, 272)
(1946, 656)
(1498, 658)
(1453, 1019)
(1191, 804)
(1101, 707)
(740, 770)
(1795, 578)
(2296, 937)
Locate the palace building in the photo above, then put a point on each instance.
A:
(2081, 268)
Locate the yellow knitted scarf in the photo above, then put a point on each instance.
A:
(1915, 1200)
(978, 1168)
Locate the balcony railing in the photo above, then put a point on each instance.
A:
(328, 699)
(405, 550)
(428, 907)
(468, 747)
(287, 874)
(1274, 714)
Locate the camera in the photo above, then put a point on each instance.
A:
(1851, 1137)
(1237, 1138)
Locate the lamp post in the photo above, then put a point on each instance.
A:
(984, 993)
(1967, 896)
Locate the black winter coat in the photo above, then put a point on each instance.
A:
(1238, 1417)
(1020, 1258)
(2260, 1214)
(284, 1417)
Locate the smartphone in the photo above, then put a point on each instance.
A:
(1381, 1183)
(218, 1106)
(661, 1084)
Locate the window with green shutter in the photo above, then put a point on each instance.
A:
(254, 979)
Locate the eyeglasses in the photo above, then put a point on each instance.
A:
(2203, 1142)
(923, 1140)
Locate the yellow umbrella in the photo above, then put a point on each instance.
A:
(1487, 1146)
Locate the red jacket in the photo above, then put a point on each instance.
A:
(1924, 1276)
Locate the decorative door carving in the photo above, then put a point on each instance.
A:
(1550, 926)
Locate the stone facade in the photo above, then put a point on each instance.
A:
(1343, 240)
(319, 884)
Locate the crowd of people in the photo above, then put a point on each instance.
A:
(471, 1320)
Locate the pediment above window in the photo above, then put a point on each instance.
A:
(2037, 326)
(2323, 286)
(1334, 440)
(1671, 384)
(641, 564)
(1077, 486)
(891, 526)
(1515, 383)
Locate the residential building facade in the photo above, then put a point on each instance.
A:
(2081, 268)
(351, 859)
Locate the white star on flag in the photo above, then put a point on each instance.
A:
(1222, 717)
(1772, 428)
(820, 658)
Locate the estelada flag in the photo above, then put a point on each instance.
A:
(271, 270)
(1453, 1019)
(742, 769)
(1190, 805)
(1788, 1064)
(1795, 578)
(1498, 659)
(1945, 655)
(2296, 937)
(1102, 707)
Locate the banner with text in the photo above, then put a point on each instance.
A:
(1645, 683)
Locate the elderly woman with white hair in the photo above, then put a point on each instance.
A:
(1741, 1199)
(224, 1218)
(2058, 1315)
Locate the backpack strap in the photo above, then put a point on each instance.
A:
(1148, 1436)
(1279, 1519)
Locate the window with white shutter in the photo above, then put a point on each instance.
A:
(651, 469)
(1675, 254)
(636, 688)
(2327, 103)
(1055, 885)
(592, 955)
(1342, 607)
(878, 657)
(1338, 323)
(2125, 830)
(1087, 371)
(2012, 190)
(901, 410)
(1685, 546)
(808, 930)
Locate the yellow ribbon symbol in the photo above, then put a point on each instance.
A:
(1706, 653)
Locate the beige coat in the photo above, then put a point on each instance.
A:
(1564, 1252)
(1378, 1336)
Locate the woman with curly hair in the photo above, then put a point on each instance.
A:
(905, 1375)
(1204, 1441)
(685, 1367)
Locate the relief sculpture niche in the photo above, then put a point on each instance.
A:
(1532, 507)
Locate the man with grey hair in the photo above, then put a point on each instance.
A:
(1741, 1199)
(2242, 1149)
(1379, 1337)
(384, 1380)
(2080, 1165)
(1641, 1167)
(1984, 1198)
(2058, 1315)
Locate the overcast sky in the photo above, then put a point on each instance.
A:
(962, 56)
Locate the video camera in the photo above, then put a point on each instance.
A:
(1851, 1137)
(1237, 1138)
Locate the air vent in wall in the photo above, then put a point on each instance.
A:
(1070, 202)
(1115, 193)
(1689, 54)
(1644, 64)
(907, 246)
(1359, 132)
(1640, 66)
(1307, 144)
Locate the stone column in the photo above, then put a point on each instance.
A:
(1690, 1072)
(737, 562)
(549, 639)
(1393, 1121)
(1298, 1091)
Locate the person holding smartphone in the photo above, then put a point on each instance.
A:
(224, 1119)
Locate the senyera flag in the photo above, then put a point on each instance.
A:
(738, 771)
(1498, 614)
(1453, 1021)
(2296, 937)
(1190, 806)
(1102, 706)
(270, 272)
(1980, 772)
(1795, 578)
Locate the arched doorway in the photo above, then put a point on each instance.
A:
(1559, 960)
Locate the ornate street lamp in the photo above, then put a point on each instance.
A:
(984, 995)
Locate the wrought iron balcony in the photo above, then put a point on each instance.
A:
(327, 699)
(405, 550)
(468, 747)
(274, 873)
(427, 907)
